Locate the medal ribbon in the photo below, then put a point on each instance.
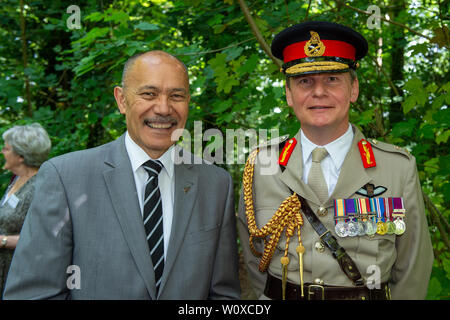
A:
(397, 204)
(381, 212)
(373, 208)
(388, 208)
(339, 210)
(350, 205)
(362, 208)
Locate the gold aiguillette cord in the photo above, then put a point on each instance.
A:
(287, 216)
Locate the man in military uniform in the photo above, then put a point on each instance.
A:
(342, 216)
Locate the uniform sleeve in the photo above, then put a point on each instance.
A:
(44, 250)
(412, 269)
(257, 278)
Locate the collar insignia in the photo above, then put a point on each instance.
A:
(367, 157)
(287, 151)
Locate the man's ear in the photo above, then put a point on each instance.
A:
(288, 94)
(119, 95)
(355, 91)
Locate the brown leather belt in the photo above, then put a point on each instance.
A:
(312, 291)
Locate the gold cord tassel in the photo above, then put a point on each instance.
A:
(284, 264)
(300, 250)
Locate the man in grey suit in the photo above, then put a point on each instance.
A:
(85, 237)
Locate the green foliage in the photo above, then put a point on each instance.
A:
(404, 83)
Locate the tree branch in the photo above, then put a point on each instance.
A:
(307, 11)
(257, 33)
(215, 50)
(391, 84)
(25, 60)
(389, 21)
(436, 215)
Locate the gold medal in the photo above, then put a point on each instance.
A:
(381, 228)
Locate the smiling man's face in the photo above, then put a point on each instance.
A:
(155, 101)
(322, 101)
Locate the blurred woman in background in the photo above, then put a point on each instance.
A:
(25, 149)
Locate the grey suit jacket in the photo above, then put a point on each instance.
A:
(85, 222)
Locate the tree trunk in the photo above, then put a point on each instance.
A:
(397, 64)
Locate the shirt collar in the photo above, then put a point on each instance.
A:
(138, 156)
(337, 149)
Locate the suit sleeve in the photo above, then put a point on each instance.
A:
(412, 269)
(225, 280)
(44, 251)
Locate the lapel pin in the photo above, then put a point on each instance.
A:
(186, 189)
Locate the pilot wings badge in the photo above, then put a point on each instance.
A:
(370, 191)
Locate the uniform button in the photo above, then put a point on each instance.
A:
(322, 211)
(319, 246)
(318, 281)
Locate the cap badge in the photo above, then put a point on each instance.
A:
(314, 47)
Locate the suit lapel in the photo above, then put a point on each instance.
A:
(186, 188)
(121, 186)
(292, 176)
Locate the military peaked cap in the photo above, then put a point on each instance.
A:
(317, 47)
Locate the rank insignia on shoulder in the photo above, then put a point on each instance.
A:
(365, 149)
(369, 190)
(287, 151)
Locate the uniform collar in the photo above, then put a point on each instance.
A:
(337, 149)
(138, 156)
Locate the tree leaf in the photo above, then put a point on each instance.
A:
(146, 26)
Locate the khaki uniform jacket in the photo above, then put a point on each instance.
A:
(404, 261)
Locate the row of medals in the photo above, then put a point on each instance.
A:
(369, 227)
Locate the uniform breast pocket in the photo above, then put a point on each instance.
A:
(207, 234)
(378, 252)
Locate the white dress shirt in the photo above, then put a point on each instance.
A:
(332, 163)
(166, 182)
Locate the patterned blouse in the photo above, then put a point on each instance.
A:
(12, 215)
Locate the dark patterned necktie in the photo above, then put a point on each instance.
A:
(153, 219)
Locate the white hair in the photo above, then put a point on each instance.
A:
(29, 141)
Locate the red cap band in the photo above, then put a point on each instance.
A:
(333, 48)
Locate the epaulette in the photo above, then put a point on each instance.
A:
(272, 142)
(389, 147)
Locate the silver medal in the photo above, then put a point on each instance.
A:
(361, 228)
(390, 227)
(400, 226)
(352, 228)
(371, 227)
(341, 229)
